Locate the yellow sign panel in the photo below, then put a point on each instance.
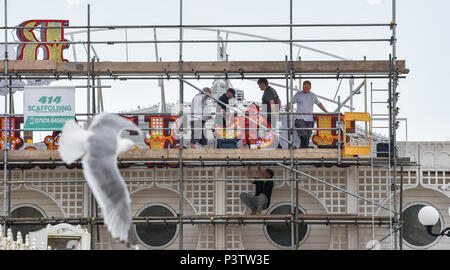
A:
(355, 143)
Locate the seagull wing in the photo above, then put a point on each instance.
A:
(110, 191)
(73, 142)
(103, 176)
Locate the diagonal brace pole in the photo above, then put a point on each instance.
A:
(385, 237)
(335, 187)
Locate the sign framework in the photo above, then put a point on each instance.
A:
(48, 108)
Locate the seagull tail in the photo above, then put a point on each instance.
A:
(73, 142)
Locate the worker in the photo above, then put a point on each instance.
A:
(270, 101)
(263, 191)
(199, 116)
(305, 101)
(223, 109)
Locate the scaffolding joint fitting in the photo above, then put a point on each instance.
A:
(196, 74)
(393, 188)
(111, 74)
(164, 160)
(241, 71)
(242, 162)
(167, 74)
(392, 25)
(201, 161)
(55, 74)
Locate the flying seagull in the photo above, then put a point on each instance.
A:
(98, 147)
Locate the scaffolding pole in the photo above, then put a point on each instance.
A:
(204, 219)
(180, 182)
(393, 124)
(5, 147)
(291, 134)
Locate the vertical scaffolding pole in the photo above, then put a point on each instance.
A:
(338, 125)
(180, 160)
(401, 209)
(94, 207)
(291, 145)
(5, 149)
(88, 94)
(391, 145)
(394, 113)
(8, 140)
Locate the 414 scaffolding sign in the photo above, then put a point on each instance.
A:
(48, 108)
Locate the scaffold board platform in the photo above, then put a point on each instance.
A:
(201, 67)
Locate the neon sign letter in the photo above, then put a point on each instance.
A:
(51, 51)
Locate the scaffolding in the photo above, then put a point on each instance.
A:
(93, 71)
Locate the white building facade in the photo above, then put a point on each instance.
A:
(68, 198)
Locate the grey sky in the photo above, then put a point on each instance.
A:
(422, 33)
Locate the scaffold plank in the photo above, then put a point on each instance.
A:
(202, 67)
(188, 154)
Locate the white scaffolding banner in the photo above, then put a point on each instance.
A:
(48, 108)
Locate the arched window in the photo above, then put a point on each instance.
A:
(26, 211)
(414, 233)
(280, 234)
(156, 235)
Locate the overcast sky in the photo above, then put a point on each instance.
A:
(423, 36)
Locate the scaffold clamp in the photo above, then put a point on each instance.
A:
(167, 74)
(241, 71)
(55, 74)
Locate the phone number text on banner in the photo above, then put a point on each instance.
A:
(48, 108)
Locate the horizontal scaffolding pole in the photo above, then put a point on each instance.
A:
(19, 182)
(177, 26)
(204, 219)
(194, 114)
(112, 42)
(61, 77)
(195, 68)
(225, 163)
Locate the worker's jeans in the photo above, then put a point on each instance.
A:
(304, 134)
(198, 132)
(255, 202)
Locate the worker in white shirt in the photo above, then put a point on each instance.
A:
(199, 117)
(305, 104)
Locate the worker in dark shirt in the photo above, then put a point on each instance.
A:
(225, 98)
(270, 101)
(263, 191)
